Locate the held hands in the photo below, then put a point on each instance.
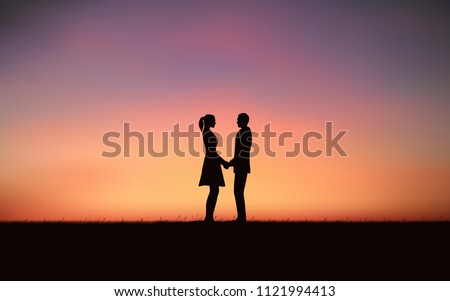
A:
(228, 164)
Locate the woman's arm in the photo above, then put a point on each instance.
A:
(223, 162)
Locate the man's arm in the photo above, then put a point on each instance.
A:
(246, 144)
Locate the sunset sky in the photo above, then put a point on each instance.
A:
(71, 72)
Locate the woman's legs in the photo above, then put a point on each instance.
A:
(211, 203)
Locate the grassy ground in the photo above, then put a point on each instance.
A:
(225, 251)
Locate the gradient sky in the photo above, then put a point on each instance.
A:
(71, 72)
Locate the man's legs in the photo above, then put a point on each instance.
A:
(239, 185)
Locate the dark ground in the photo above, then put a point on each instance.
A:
(225, 251)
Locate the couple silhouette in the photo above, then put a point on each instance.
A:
(212, 172)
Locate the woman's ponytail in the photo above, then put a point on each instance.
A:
(201, 123)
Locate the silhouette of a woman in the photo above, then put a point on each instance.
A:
(211, 172)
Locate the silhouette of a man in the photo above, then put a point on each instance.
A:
(241, 164)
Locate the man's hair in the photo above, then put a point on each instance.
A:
(244, 117)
